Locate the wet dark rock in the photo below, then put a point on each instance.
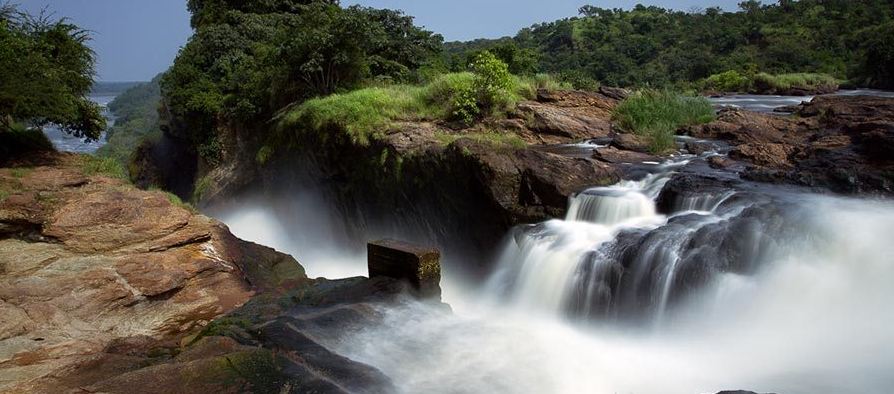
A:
(700, 147)
(631, 142)
(688, 186)
(720, 162)
(617, 156)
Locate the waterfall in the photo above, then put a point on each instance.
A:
(615, 257)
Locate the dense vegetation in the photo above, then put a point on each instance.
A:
(487, 90)
(136, 118)
(246, 61)
(47, 72)
(653, 46)
(658, 114)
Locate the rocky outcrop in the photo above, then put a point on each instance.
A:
(841, 143)
(107, 288)
(567, 116)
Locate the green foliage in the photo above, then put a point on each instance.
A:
(493, 138)
(264, 154)
(201, 187)
(364, 115)
(492, 83)
(526, 87)
(104, 166)
(658, 114)
(20, 140)
(782, 82)
(136, 119)
(47, 73)
(728, 81)
(174, 199)
(249, 60)
(579, 80)
(361, 115)
(658, 47)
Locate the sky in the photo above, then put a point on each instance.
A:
(136, 39)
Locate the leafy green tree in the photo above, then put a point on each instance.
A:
(47, 74)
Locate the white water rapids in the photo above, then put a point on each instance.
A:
(794, 301)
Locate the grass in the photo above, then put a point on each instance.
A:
(795, 80)
(105, 166)
(4, 193)
(20, 173)
(658, 114)
(492, 138)
(201, 187)
(364, 115)
(174, 199)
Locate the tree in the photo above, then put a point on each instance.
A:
(47, 74)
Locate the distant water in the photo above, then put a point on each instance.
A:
(768, 103)
(68, 143)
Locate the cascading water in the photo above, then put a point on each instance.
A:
(773, 291)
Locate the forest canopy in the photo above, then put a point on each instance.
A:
(248, 60)
(651, 46)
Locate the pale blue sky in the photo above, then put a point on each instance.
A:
(136, 39)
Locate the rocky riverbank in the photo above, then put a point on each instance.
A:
(107, 288)
(844, 144)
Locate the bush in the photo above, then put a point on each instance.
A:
(579, 80)
(807, 81)
(493, 82)
(658, 114)
(729, 81)
(21, 140)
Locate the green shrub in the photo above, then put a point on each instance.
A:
(527, 86)
(579, 80)
(781, 82)
(658, 114)
(729, 81)
(20, 140)
(105, 166)
(493, 82)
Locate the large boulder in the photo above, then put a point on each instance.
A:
(565, 116)
(107, 288)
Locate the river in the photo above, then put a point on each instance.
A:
(67, 143)
(735, 285)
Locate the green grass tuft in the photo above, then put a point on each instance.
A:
(364, 115)
(492, 138)
(105, 166)
(658, 114)
(796, 80)
(201, 187)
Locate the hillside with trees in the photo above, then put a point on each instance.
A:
(654, 46)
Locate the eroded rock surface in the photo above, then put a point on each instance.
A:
(107, 288)
(841, 143)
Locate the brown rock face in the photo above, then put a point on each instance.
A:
(87, 262)
(842, 143)
(564, 116)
